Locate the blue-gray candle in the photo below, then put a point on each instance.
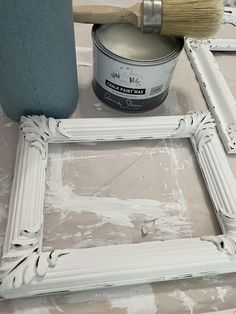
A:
(37, 58)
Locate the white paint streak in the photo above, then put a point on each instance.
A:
(5, 182)
(55, 305)
(222, 292)
(2, 212)
(30, 306)
(137, 300)
(98, 106)
(140, 153)
(84, 56)
(8, 125)
(134, 299)
(217, 280)
(173, 106)
(186, 301)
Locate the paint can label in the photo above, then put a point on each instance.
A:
(132, 81)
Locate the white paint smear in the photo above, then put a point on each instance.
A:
(5, 182)
(138, 300)
(186, 301)
(134, 299)
(8, 125)
(84, 56)
(2, 212)
(222, 292)
(165, 217)
(30, 306)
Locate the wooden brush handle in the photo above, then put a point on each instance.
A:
(100, 14)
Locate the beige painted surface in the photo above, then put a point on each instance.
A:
(160, 179)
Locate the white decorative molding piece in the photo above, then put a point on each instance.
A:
(229, 15)
(221, 44)
(219, 98)
(38, 130)
(29, 271)
(224, 243)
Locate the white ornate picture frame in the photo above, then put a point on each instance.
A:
(219, 98)
(29, 271)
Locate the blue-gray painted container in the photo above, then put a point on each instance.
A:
(38, 73)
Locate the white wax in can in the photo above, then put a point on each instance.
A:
(127, 41)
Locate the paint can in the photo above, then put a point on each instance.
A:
(132, 70)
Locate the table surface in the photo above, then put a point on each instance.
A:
(163, 174)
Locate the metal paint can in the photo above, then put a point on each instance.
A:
(132, 70)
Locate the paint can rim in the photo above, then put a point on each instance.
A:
(96, 29)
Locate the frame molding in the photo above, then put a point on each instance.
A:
(219, 98)
(229, 15)
(28, 271)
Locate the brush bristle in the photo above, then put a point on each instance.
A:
(191, 18)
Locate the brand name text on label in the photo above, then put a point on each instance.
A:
(126, 90)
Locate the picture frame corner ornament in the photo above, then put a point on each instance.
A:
(198, 124)
(224, 243)
(39, 130)
(23, 269)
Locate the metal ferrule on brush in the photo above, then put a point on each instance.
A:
(152, 16)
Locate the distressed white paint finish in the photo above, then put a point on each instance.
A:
(27, 271)
(230, 15)
(118, 265)
(218, 176)
(38, 130)
(215, 44)
(95, 130)
(219, 98)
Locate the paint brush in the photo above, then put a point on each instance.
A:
(189, 18)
